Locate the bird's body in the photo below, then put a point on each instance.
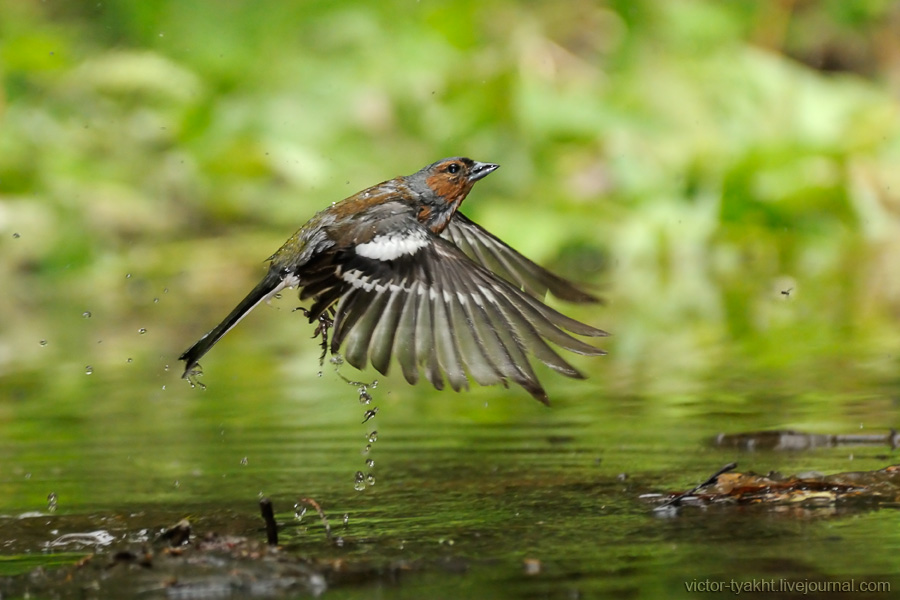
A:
(405, 275)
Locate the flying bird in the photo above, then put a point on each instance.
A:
(396, 271)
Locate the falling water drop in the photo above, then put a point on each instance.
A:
(52, 500)
(244, 462)
(86, 314)
(346, 519)
(373, 437)
(89, 370)
(43, 342)
(360, 483)
(142, 330)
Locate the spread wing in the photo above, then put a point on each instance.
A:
(491, 253)
(415, 296)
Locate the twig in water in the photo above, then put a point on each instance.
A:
(268, 515)
(318, 509)
(676, 500)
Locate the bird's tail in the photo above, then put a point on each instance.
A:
(271, 284)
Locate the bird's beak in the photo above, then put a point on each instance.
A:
(481, 170)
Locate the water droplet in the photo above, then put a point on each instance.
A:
(162, 34)
(127, 275)
(177, 483)
(142, 330)
(129, 361)
(319, 373)
(86, 314)
(370, 413)
(156, 301)
(244, 461)
(299, 511)
(364, 396)
(277, 296)
(370, 463)
(373, 437)
(360, 483)
(370, 479)
(164, 388)
(367, 449)
(52, 501)
(166, 368)
(165, 290)
(16, 235)
(346, 518)
(43, 342)
(88, 370)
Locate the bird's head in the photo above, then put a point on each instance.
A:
(442, 186)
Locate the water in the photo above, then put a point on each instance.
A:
(509, 500)
(479, 494)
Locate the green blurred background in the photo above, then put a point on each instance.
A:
(692, 159)
(724, 173)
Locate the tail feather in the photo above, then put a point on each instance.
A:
(271, 284)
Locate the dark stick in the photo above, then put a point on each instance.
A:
(268, 515)
(674, 501)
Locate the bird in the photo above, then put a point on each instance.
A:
(396, 271)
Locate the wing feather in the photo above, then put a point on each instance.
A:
(438, 309)
(490, 252)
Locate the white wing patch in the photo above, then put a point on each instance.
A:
(357, 279)
(392, 246)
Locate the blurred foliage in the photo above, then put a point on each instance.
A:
(725, 171)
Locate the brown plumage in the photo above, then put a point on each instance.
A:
(406, 276)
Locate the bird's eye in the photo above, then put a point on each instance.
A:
(453, 168)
